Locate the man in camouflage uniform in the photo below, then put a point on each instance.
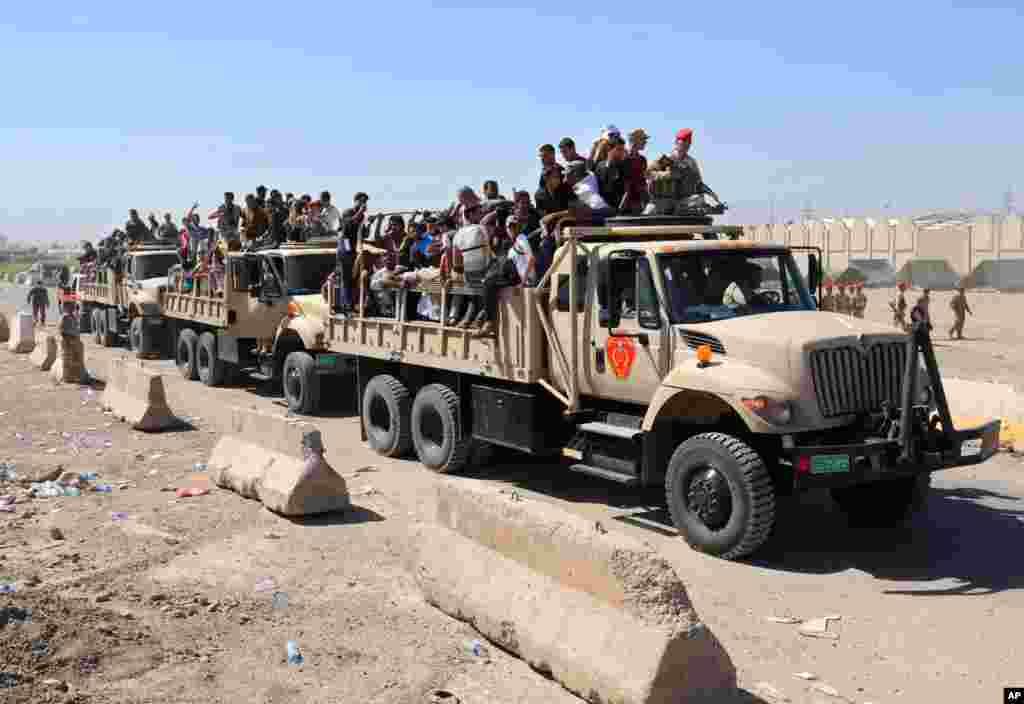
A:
(828, 302)
(899, 307)
(842, 300)
(920, 312)
(860, 301)
(674, 180)
(960, 309)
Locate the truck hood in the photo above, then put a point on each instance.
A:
(775, 342)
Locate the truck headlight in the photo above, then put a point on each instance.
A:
(772, 410)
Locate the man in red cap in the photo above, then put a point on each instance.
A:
(674, 178)
(828, 303)
(899, 307)
(842, 300)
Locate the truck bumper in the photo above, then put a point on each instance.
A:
(835, 466)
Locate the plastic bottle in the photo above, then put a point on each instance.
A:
(280, 600)
(199, 466)
(475, 647)
(294, 656)
(103, 488)
(88, 476)
(72, 491)
(8, 587)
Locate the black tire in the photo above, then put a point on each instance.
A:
(437, 435)
(85, 320)
(386, 415)
(185, 354)
(300, 382)
(720, 495)
(883, 503)
(208, 366)
(135, 335)
(151, 339)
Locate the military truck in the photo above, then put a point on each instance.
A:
(259, 322)
(659, 352)
(128, 303)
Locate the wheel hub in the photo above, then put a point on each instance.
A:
(708, 497)
(294, 382)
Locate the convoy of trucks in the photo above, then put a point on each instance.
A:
(660, 351)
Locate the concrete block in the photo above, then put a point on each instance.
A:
(979, 399)
(667, 655)
(279, 462)
(137, 395)
(45, 352)
(5, 328)
(22, 339)
(69, 367)
(597, 651)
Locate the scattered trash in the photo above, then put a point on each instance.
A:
(8, 587)
(825, 689)
(782, 619)
(118, 515)
(805, 676)
(476, 648)
(48, 489)
(88, 664)
(56, 533)
(7, 473)
(280, 600)
(103, 488)
(8, 680)
(185, 492)
(200, 466)
(818, 628)
(72, 491)
(294, 656)
(40, 648)
(23, 439)
(8, 501)
(88, 476)
(56, 684)
(265, 585)
(15, 615)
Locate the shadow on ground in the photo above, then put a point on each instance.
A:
(949, 548)
(355, 515)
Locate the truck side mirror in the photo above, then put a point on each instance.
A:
(611, 316)
(813, 274)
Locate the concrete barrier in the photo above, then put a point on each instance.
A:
(980, 399)
(596, 610)
(5, 329)
(45, 352)
(22, 339)
(137, 395)
(69, 367)
(278, 462)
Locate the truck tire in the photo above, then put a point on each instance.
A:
(185, 354)
(301, 385)
(720, 495)
(85, 320)
(883, 503)
(135, 335)
(436, 431)
(209, 367)
(386, 416)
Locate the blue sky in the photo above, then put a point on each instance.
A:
(115, 105)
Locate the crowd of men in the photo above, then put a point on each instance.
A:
(841, 302)
(921, 311)
(486, 241)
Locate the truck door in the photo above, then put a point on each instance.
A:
(630, 347)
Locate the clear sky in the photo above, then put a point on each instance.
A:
(154, 105)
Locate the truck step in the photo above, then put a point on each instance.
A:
(626, 479)
(610, 430)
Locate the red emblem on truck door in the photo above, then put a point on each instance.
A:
(621, 352)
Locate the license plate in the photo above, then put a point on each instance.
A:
(830, 464)
(327, 360)
(971, 448)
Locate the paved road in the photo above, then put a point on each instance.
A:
(931, 612)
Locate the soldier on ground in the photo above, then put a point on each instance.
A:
(860, 301)
(828, 302)
(39, 298)
(960, 309)
(920, 313)
(899, 307)
(842, 304)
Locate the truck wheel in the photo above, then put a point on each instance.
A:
(208, 366)
(185, 354)
(301, 386)
(85, 320)
(97, 332)
(720, 495)
(436, 432)
(386, 416)
(883, 503)
(135, 335)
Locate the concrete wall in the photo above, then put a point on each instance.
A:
(899, 240)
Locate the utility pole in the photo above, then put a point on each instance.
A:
(1011, 206)
(771, 217)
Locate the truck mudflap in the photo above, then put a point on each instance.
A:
(834, 466)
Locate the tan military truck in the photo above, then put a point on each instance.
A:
(660, 352)
(261, 320)
(128, 303)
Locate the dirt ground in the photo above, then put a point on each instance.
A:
(171, 603)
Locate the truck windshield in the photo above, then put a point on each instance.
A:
(714, 285)
(152, 266)
(307, 273)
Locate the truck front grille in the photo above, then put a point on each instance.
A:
(858, 380)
